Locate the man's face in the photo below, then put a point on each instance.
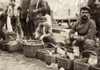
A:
(12, 2)
(84, 14)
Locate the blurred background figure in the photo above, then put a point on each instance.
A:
(13, 12)
(25, 25)
(95, 13)
(2, 23)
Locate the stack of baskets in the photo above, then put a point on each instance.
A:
(31, 47)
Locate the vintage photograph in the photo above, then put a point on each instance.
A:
(49, 34)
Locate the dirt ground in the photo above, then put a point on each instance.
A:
(17, 61)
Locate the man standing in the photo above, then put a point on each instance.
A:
(95, 13)
(37, 9)
(25, 26)
(86, 30)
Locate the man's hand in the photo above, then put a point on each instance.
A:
(27, 20)
(41, 38)
(78, 38)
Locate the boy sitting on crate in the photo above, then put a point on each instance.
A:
(44, 32)
(86, 29)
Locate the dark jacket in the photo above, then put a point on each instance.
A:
(24, 5)
(93, 6)
(42, 8)
(86, 30)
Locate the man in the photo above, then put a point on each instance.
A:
(2, 22)
(44, 32)
(25, 26)
(86, 30)
(95, 13)
(13, 12)
(37, 9)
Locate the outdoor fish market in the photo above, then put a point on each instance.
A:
(49, 34)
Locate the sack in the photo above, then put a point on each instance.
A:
(76, 51)
(61, 51)
(9, 26)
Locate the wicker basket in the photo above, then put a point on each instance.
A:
(81, 64)
(2, 45)
(65, 63)
(30, 49)
(96, 67)
(42, 53)
(12, 47)
(50, 59)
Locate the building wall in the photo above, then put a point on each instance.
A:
(66, 9)
(62, 9)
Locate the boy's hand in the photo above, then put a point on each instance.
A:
(41, 38)
(36, 36)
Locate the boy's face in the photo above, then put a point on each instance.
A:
(43, 23)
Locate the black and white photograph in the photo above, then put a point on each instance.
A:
(49, 34)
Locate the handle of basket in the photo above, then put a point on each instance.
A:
(88, 51)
